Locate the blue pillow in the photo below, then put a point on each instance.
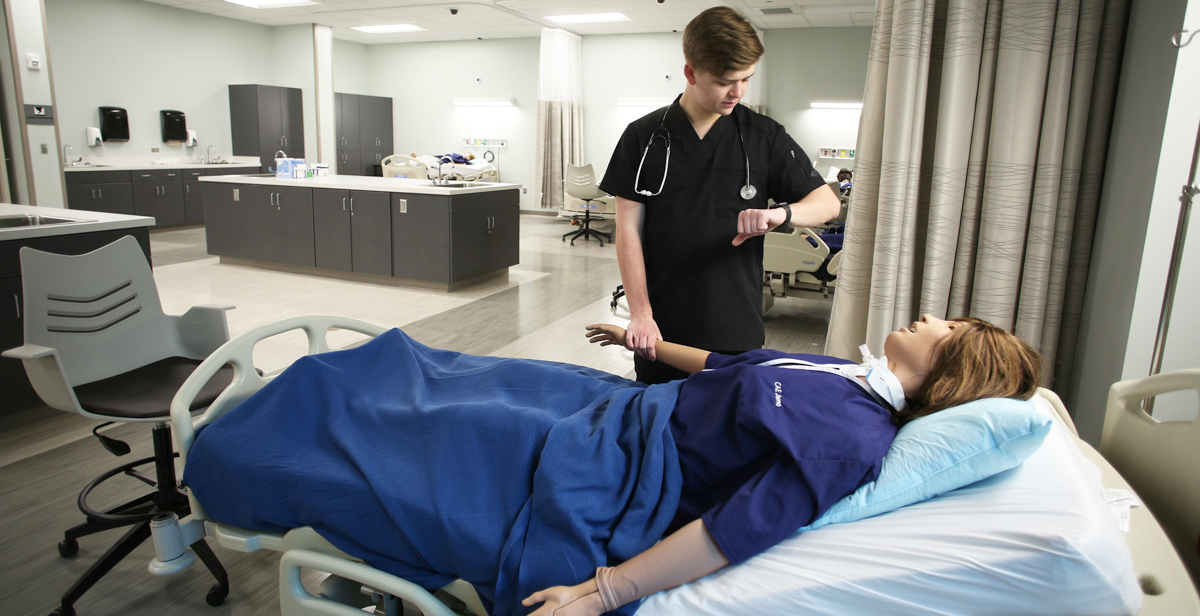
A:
(945, 451)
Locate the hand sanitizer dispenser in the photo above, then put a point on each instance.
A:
(93, 136)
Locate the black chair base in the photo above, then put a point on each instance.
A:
(137, 515)
(586, 231)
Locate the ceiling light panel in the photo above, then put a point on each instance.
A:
(588, 18)
(272, 4)
(389, 29)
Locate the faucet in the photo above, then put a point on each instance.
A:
(212, 150)
(440, 180)
(67, 152)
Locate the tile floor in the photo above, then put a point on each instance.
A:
(538, 310)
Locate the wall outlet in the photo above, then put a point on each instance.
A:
(524, 191)
(33, 61)
(153, 149)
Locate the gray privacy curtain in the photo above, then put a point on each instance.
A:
(979, 162)
(559, 140)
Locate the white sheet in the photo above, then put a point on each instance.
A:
(1038, 539)
(469, 171)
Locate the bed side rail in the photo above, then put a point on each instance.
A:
(294, 600)
(1160, 460)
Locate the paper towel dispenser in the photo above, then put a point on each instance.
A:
(174, 126)
(114, 124)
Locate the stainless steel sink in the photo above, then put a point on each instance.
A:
(85, 165)
(33, 220)
(459, 184)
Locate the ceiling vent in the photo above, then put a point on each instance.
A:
(777, 11)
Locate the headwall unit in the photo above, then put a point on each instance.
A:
(265, 120)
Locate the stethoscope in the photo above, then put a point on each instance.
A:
(747, 192)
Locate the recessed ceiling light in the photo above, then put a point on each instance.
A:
(389, 28)
(272, 4)
(593, 18)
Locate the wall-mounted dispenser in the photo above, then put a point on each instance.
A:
(114, 124)
(174, 127)
(93, 136)
(191, 139)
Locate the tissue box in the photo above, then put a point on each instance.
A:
(284, 166)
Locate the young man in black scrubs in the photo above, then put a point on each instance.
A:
(692, 182)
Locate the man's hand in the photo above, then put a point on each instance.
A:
(580, 600)
(641, 336)
(755, 222)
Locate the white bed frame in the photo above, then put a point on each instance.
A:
(1165, 582)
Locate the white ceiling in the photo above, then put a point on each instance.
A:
(490, 19)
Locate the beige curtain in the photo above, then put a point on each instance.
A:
(559, 143)
(559, 139)
(979, 160)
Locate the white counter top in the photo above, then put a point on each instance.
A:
(88, 222)
(147, 166)
(356, 182)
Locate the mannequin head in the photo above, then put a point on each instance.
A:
(942, 364)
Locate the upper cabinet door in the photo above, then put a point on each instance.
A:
(376, 127)
(351, 116)
(292, 105)
(270, 119)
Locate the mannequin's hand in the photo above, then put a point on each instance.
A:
(606, 334)
(580, 600)
(754, 222)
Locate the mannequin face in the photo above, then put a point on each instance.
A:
(911, 350)
(717, 93)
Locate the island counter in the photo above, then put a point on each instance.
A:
(391, 230)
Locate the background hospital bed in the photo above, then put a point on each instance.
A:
(797, 259)
(1167, 587)
(425, 167)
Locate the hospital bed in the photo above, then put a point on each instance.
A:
(799, 259)
(426, 167)
(950, 554)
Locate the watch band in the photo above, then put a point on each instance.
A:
(788, 210)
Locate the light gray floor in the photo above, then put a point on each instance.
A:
(537, 311)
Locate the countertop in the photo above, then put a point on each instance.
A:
(88, 221)
(146, 166)
(356, 182)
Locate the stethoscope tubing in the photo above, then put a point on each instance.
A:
(747, 192)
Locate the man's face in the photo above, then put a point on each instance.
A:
(718, 93)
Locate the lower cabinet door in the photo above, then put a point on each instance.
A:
(471, 244)
(223, 224)
(294, 224)
(171, 204)
(371, 232)
(331, 228)
(349, 162)
(193, 202)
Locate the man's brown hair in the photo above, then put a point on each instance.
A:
(977, 360)
(720, 40)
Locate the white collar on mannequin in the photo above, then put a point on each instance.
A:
(881, 379)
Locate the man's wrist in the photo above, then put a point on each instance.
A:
(787, 213)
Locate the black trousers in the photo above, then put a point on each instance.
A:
(655, 372)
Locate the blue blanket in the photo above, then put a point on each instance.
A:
(515, 475)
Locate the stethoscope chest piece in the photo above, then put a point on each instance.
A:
(748, 192)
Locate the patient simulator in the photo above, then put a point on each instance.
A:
(420, 469)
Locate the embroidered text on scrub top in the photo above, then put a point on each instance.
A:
(881, 383)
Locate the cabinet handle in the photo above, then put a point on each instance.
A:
(285, 140)
(100, 191)
(93, 194)
(343, 204)
(17, 305)
(351, 206)
(187, 190)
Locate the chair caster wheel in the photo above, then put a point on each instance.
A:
(215, 596)
(63, 611)
(68, 548)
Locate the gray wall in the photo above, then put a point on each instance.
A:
(1135, 224)
(147, 57)
(351, 72)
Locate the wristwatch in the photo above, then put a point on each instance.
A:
(786, 208)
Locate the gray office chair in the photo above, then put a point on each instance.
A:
(581, 184)
(97, 343)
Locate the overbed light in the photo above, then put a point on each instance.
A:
(830, 104)
(389, 28)
(273, 4)
(592, 18)
(509, 102)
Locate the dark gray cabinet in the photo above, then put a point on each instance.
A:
(364, 132)
(453, 239)
(172, 196)
(159, 193)
(266, 119)
(353, 231)
(100, 191)
(193, 196)
(263, 223)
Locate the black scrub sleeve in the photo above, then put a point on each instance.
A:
(622, 167)
(793, 176)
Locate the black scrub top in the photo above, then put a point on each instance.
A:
(704, 291)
